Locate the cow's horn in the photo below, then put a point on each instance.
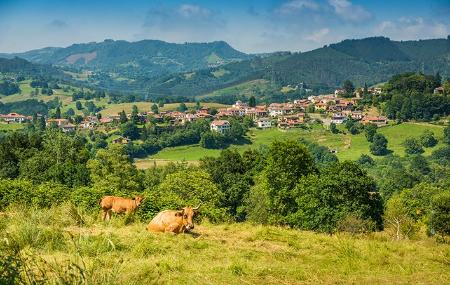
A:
(198, 207)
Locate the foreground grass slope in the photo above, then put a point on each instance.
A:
(116, 253)
(349, 147)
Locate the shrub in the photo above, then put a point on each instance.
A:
(428, 139)
(413, 146)
(440, 218)
(365, 160)
(379, 145)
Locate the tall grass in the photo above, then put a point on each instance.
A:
(64, 245)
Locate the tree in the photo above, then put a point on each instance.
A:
(365, 160)
(287, 162)
(339, 191)
(197, 105)
(396, 217)
(447, 134)
(349, 88)
(58, 113)
(155, 109)
(70, 112)
(370, 131)
(123, 117)
(182, 107)
(42, 123)
(78, 105)
(130, 130)
(440, 218)
(187, 188)
(428, 139)
(413, 146)
(135, 114)
(379, 145)
(211, 139)
(252, 101)
(113, 171)
(333, 128)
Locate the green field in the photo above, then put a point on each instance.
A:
(349, 147)
(114, 109)
(11, 127)
(245, 89)
(53, 241)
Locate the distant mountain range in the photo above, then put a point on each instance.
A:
(133, 60)
(157, 68)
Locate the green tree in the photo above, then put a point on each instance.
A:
(135, 114)
(349, 88)
(58, 113)
(155, 109)
(428, 139)
(379, 145)
(440, 218)
(397, 219)
(333, 128)
(70, 112)
(182, 107)
(113, 171)
(130, 130)
(339, 191)
(78, 105)
(123, 117)
(413, 146)
(365, 160)
(287, 162)
(370, 130)
(252, 101)
(447, 134)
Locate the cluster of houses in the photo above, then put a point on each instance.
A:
(283, 115)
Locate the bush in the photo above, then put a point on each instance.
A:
(440, 218)
(413, 146)
(365, 160)
(428, 139)
(379, 145)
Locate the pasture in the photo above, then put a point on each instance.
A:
(348, 147)
(64, 245)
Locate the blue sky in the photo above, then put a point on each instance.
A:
(250, 26)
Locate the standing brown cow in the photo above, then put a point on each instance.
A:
(119, 205)
(171, 221)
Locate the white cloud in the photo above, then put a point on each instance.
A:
(294, 6)
(349, 12)
(318, 36)
(406, 28)
(188, 11)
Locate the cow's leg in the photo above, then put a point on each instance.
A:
(104, 215)
(109, 214)
(172, 228)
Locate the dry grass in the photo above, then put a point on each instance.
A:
(116, 253)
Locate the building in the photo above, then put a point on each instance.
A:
(57, 122)
(121, 140)
(439, 90)
(14, 118)
(263, 123)
(379, 121)
(338, 118)
(220, 126)
(68, 128)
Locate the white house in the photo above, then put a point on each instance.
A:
(220, 126)
(338, 118)
(14, 118)
(264, 123)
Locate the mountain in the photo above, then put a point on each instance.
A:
(134, 60)
(20, 66)
(370, 60)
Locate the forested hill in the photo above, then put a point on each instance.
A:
(19, 66)
(370, 60)
(132, 60)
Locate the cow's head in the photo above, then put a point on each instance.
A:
(138, 200)
(188, 213)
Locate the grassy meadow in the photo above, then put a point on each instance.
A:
(114, 109)
(349, 147)
(65, 246)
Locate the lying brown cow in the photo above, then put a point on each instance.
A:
(171, 221)
(119, 205)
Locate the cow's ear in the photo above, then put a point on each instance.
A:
(179, 213)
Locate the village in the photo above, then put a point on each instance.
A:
(330, 108)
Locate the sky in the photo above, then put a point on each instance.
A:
(253, 26)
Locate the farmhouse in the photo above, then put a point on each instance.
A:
(289, 122)
(263, 123)
(14, 118)
(57, 122)
(338, 118)
(379, 121)
(121, 140)
(68, 128)
(439, 90)
(220, 126)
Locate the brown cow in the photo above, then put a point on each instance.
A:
(119, 205)
(171, 221)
